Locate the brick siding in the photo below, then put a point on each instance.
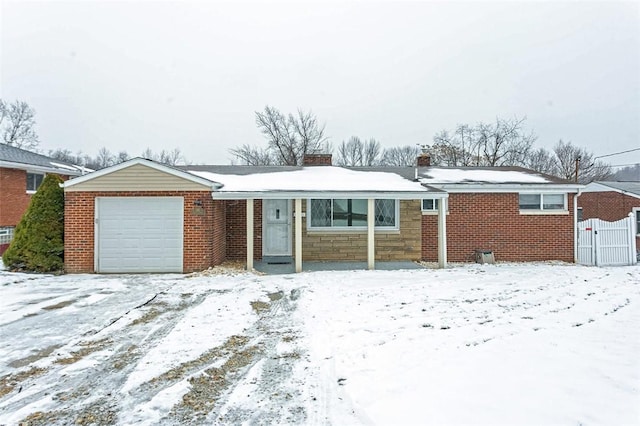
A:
(201, 248)
(14, 199)
(236, 238)
(493, 222)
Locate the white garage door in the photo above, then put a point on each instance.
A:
(139, 234)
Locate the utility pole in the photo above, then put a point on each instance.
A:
(578, 158)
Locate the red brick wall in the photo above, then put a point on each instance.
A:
(610, 206)
(201, 249)
(493, 222)
(316, 160)
(14, 199)
(219, 212)
(237, 229)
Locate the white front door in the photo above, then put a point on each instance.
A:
(276, 228)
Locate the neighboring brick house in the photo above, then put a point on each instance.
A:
(611, 201)
(21, 172)
(141, 216)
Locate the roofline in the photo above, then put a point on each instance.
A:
(356, 195)
(610, 189)
(502, 187)
(145, 162)
(33, 167)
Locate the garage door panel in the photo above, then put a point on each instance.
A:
(140, 234)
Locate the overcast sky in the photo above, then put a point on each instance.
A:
(131, 75)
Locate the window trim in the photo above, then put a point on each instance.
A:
(377, 228)
(434, 211)
(541, 209)
(33, 191)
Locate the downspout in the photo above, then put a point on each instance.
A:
(575, 226)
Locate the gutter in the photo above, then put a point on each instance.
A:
(361, 195)
(34, 168)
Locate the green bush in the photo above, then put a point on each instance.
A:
(38, 244)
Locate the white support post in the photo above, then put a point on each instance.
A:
(371, 243)
(442, 234)
(632, 238)
(298, 231)
(250, 234)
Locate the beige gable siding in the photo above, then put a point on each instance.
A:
(138, 178)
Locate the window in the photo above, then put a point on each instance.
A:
(6, 235)
(543, 202)
(431, 204)
(637, 212)
(33, 181)
(580, 214)
(350, 213)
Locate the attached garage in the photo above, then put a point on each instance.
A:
(141, 217)
(139, 234)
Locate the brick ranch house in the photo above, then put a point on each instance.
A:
(140, 216)
(21, 172)
(611, 201)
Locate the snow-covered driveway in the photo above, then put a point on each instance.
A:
(474, 344)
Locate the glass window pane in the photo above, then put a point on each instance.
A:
(340, 212)
(428, 204)
(358, 213)
(320, 213)
(31, 182)
(553, 201)
(529, 201)
(386, 212)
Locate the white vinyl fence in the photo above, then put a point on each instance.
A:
(604, 243)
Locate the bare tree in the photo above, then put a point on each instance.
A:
(355, 152)
(122, 156)
(588, 169)
(288, 137)
(104, 158)
(170, 158)
(253, 156)
(504, 143)
(17, 121)
(542, 161)
(401, 155)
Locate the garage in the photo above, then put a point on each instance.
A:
(139, 234)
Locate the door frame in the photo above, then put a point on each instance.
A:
(289, 228)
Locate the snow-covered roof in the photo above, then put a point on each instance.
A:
(490, 179)
(17, 158)
(465, 175)
(317, 179)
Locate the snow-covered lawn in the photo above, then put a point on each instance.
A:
(474, 344)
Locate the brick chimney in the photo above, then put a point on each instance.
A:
(424, 160)
(316, 160)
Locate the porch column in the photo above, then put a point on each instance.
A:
(250, 234)
(298, 231)
(442, 234)
(371, 243)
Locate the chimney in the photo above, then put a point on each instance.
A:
(424, 160)
(316, 160)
